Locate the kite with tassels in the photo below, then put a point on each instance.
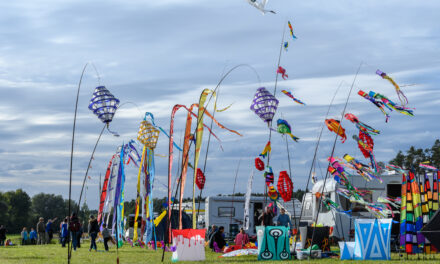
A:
(335, 126)
(366, 145)
(402, 97)
(360, 125)
(391, 105)
(291, 30)
(292, 97)
(260, 5)
(377, 103)
(284, 128)
(283, 73)
(361, 169)
(331, 205)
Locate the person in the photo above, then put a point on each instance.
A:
(242, 238)
(64, 233)
(218, 238)
(33, 236)
(93, 229)
(24, 236)
(41, 230)
(211, 232)
(80, 233)
(106, 235)
(74, 230)
(266, 218)
(49, 230)
(284, 219)
(2, 235)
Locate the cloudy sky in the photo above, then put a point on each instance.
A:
(156, 54)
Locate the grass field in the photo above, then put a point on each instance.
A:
(54, 253)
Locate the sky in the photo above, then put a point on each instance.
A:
(155, 54)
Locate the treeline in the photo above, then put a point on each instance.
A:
(414, 156)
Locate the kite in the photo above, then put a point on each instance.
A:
(259, 164)
(391, 105)
(286, 46)
(361, 126)
(266, 149)
(260, 6)
(399, 92)
(272, 193)
(335, 126)
(428, 167)
(264, 105)
(284, 128)
(282, 71)
(329, 204)
(285, 186)
(361, 168)
(291, 30)
(377, 103)
(291, 96)
(104, 105)
(200, 180)
(366, 145)
(268, 175)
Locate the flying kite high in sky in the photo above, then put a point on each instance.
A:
(293, 97)
(291, 30)
(391, 105)
(260, 5)
(282, 71)
(284, 128)
(377, 103)
(361, 126)
(399, 92)
(335, 126)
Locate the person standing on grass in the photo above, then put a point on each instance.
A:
(41, 230)
(93, 229)
(2, 235)
(284, 219)
(74, 230)
(106, 235)
(49, 230)
(64, 233)
(80, 233)
(33, 236)
(242, 238)
(24, 236)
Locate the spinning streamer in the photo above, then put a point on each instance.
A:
(104, 105)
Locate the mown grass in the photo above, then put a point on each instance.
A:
(54, 253)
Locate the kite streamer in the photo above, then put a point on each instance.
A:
(361, 126)
(291, 30)
(292, 97)
(377, 103)
(391, 105)
(402, 97)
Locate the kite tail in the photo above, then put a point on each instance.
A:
(112, 132)
(402, 98)
(294, 137)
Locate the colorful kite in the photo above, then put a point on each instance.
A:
(291, 30)
(335, 126)
(284, 128)
(377, 103)
(267, 149)
(291, 96)
(391, 105)
(282, 71)
(285, 186)
(361, 126)
(260, 5)
(286, 46)
(361, 169)
(399, 92)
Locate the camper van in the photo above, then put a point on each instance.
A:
(228, 211)
(341, 223)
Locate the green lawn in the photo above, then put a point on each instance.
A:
(54, 253)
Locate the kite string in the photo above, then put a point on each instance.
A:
(334, 147)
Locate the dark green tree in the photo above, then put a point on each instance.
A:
(19, 205)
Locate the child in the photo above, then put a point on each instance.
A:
(24, 236)
(106, 235)
(33, 236)
(64, 233)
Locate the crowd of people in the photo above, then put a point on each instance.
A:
(73, 232)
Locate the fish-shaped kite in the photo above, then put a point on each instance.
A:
(399, 92)
(335, 126)
(291, 30)
(266, 149)
(260, 6)
(284, 128)
(282, 71)
(293, 97)
(391, 105)
(361, 126)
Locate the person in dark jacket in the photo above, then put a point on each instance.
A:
(74, 228)
(218, 238)
(93, 229)
(2, 235)
(266, 218)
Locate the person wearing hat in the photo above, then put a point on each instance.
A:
(41, 230)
